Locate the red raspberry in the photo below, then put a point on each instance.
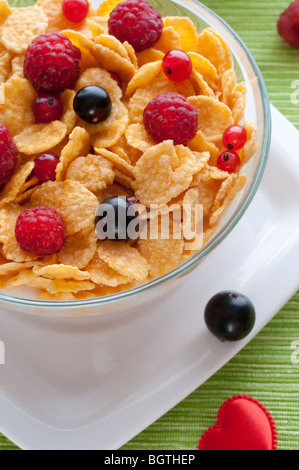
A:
(137, 22)
(170, 117)
(8, 155)
(40, 230)
(288, 24)
(52, 63)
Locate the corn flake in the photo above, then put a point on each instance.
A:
(138, 137)
(21, 27)
(210, 46)
(149, 55)
(13, 187)
(79, 249)
(214, 117)
(15, 112)
(79, 144)
(85, 45)
(109, 59)
(186, 30)
(250, 146)
(106, 7)
(93, 171)
(163, 172)
(162, 255)
(60, 271)
(75, 204)
(101, 273)
(169, 40)
(5, 11)
(124, 259)
(39, 138)
(119, 163)
(227, 193)
(145, 75)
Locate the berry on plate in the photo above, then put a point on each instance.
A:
(51, 63)
(234, 138)
(47, 108)
(93, 104)
(230, 316)
(170, 117)
(8, 154)
(40, 230)
(136, 22)
(75, 10)
(113, 219)
(177, 65)
(288, 24)
(45, 166)
(229, 161)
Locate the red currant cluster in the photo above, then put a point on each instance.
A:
(234, 139)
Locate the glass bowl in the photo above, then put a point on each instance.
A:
(257, 110)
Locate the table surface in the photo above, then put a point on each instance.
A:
(264, 368)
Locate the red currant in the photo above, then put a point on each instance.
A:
(75, 10)
(117, 78)
(234, 138)
(177, 65)
(45, 166)
(229, 161)
(47, 108)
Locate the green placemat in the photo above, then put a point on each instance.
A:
(264, 368)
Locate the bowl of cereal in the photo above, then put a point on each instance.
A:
(166, 127)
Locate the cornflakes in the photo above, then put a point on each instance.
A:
(21, 27)
(163, 172)
(116, 157)
(93, 171)
(75, 204)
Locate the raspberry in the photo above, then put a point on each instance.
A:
(288, 24)
(8, 155)
(40, 230)
(170, 117)
(52, 63)
(137, 22)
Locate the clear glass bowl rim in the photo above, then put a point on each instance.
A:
(194, 260)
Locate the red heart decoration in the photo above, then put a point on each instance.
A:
(242, 424)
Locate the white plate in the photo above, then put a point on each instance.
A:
(95, 383)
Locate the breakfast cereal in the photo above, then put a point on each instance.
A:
(109, 152)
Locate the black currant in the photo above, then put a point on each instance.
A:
(93, 104)
(230, 316)
(113, 219)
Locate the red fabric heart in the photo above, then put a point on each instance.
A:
(242, 424)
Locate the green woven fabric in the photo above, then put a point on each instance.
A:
(264, 368)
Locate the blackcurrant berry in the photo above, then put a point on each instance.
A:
(113, 219)
(230, 316)
(93, 104)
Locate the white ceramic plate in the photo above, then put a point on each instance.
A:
(94, 383)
